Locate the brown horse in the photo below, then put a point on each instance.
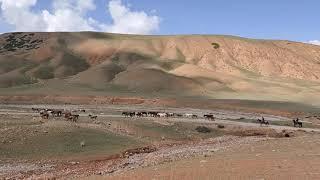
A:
(71, 117)
(45, 116)
(93, 117)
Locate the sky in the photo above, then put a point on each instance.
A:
(296, 20)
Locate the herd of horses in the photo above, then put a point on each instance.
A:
(72, 116)
(165, 115)
(262, 121)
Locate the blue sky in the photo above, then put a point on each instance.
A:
(265, 19)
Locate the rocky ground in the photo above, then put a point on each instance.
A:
(285, 158)
(118, 165)
(150, 147)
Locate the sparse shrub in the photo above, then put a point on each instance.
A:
(73, 64)
(45, 72)
(220, 126)
(15, 81)
(203, 129)
(7, 65)
(215, 45)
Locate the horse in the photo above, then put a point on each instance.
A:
(297, 122)
(128, 114)
(152, 114)
(44, 116)
(209, 117)
(171, 114)
(194, 116)
(139, 114)
(74, 118)
(263, 122)
(162, 115)
(93, 117)
(67, 115)
(36, 109)
(144, 114)
(56, 113)
(189, 115)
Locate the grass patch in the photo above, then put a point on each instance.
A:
(16, 80)
(67, 142)
(44, 72)
(124, 59)
(8, 65)
(73, 64)
(176, 131)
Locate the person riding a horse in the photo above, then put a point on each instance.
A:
(297, 122)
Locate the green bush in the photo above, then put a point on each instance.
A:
(215, 45)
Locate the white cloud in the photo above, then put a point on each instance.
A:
(133, 22)
(315, 42)
(72, 15)
(69, 16)
(18, 13)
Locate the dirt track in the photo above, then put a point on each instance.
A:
(222, 116)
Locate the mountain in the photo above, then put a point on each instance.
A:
(210, 66)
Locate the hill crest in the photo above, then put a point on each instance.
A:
(198, 65)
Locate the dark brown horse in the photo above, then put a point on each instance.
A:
(93, 117)
(209, 117)
(297, 123)
(263, 121)
(45, 116)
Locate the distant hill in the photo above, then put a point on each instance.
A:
(90, 63)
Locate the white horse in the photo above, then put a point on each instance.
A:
(162, 115)
(189, 115)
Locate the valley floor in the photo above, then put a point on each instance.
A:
(293, 158)
(117, 147)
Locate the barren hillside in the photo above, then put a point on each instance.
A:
(196, 65)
